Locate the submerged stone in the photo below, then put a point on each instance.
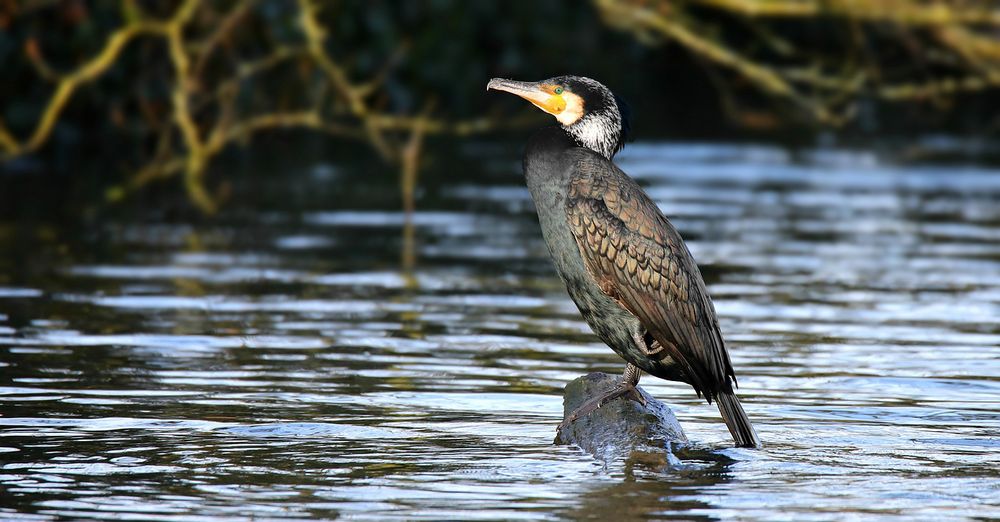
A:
(623, 430)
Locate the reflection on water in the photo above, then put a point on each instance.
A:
(282, 367)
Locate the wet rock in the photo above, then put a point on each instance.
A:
(623, 430)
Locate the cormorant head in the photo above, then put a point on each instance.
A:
(587, 110)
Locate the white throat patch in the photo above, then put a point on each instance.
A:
(599, 132)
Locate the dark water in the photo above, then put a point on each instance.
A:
(280, 366)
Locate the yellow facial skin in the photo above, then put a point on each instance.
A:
(553, 103)
(553, 99)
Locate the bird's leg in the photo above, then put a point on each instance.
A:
(630, 379)
(626, 387)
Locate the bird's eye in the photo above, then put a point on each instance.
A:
(559, 90)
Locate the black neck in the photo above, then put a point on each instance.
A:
(544, 150)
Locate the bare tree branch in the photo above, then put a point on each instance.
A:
(205, 113)
(936, 34)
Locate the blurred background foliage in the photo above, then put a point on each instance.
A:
(101, 101)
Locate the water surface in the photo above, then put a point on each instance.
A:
(280, 365)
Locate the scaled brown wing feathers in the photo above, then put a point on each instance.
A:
(640, 260)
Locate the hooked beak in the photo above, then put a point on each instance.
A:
(537, 93)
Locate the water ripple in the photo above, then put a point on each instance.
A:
(284, 368)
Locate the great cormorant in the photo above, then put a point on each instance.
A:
(624, 264)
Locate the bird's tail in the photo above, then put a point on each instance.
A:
(736, 420)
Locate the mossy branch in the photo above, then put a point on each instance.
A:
(204, 112)
(905, 12)
(67, 85)
(954, 32)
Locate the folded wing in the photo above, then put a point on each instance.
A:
(640, 260)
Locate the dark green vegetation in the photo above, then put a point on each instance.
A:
(100, 100)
